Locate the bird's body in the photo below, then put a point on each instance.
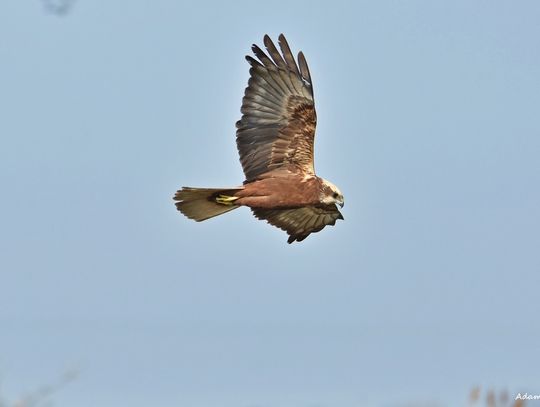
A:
(275, 141)
(281, 191)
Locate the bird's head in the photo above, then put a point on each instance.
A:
(330, 194)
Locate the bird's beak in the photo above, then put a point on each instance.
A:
(341, 202)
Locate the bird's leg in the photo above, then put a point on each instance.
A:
(226, 199)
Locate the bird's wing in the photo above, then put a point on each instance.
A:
(278, 121)
(300, 222)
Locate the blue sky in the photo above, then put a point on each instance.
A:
(427, 121)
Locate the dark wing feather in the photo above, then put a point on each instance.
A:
(277, 127)
(299, 223)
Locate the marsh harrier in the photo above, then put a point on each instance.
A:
(275, 141)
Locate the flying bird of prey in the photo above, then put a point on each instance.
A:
(275, 139)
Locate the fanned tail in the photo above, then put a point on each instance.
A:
(204, 203)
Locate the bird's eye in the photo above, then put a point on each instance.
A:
(335, 194)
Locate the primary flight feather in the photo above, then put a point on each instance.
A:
(275, 141)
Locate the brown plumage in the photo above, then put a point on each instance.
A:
(275, 139)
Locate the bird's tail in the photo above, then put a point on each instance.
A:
(204, 203)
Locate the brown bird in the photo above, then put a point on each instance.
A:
(275, 141)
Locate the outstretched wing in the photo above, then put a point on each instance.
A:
(300, 222)
(278, 121)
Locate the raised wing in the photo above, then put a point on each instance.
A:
(299, 223)
(278, 121)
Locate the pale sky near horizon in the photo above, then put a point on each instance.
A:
(428, 121)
